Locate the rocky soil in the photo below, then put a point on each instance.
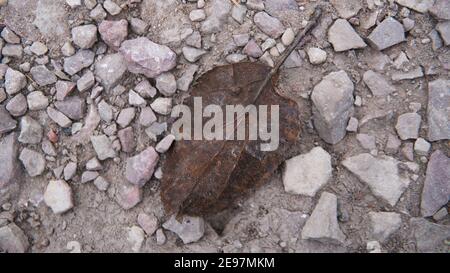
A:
(87, 88)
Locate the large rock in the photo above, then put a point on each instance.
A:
(383, 224)
(305, 174)
(217, 13)
(146, 57)
(380, 174)
(430, 237)
(110, 70)
(7, 123)
(417, 5)
(332, 106)
(140, 168)
(441, 9)
(436, 189)
(343, 37)
(13, 239)
(388, 33)
(439, 110)
(322, 225)
(190, 229)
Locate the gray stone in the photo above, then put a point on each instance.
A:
(333, 106)
(377, 84)
(13, 51)
(113, 33)
(58, 117)
(322, 225)
(17, 106)
(197, 15)
(392, 144)
(93, 165)
(98, 13)
(86, 81)
(112, 7)
(408, 126)
(7, 123)
(421, 6)
(33, 162)
(67, 49)
(103, 147)
(438, 110)
(84, 36)
(217, 14)
(58, 196)
(307, 173)
(128, 195)
(75, 63)
(37, 101)
(126, 116)
(136, 237)
(430, 237)
(73, 107)
(42, 75)
(366, 141)
(347, 8)
(162, 106)
(38, 48)
(70, 170)
(160, 237)
(388, 33)
(166, 84)
(9, 36)
(13, 239)
(14, 81)
(138, 26)
(146, 57)
(184, 82)
(235, 58)
(149, 223)
(165, 144)
(63, 89)
(10, 172)
(380, 174)
(436, 189)
(252, 49)
(145, 89)
(421, 146)
(316, 55)
(241, 39)
(105, 111)
(441, 9)
(238, 13)
(268, 24)
(190, 229)
(101, 183)
(126, 137)
(135, 100)
(193, 54)
(30, 131)
(343, 37)
(383, 224)
(88, 176)
(110, 70)
(444, 29)
(147, 117)
(139, 169)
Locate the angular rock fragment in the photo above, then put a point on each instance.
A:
(42, 75)
(139, 169)
(383, 224)
(343, 37)
(84, 36)
(17, 106)
(126, 137)
(113, 33)
(322, 225)
(30, 131)
(380, 174)
(129, 195)
(164, 145)
(75, 63)
(388, 33)
(217, 13)
(126, 116)
(33, 162)
(307, 173)
(408, 126)
(146, 57)
(103, 147)
(58, 196)
(190, 229)
(430, 237)
(436, 189)
(149, 223)
(14, 81)
(417, 5)
(37, 101)
(10, 172)
(333, 105)
(7, 123)
(73, 107)
(166, 84)
(377, 84)
(58, 117)
(441, 9)
(268, 24)
(438, 110)
(347, 8)
(110, 70)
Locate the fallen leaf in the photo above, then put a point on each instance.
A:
(206, 177)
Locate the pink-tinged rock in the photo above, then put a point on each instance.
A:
(149, 223)
(252, 49)
(58, 196)
(113, 33)
(129, 196)
(126, 137)
(146, 57)
(140, 168)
